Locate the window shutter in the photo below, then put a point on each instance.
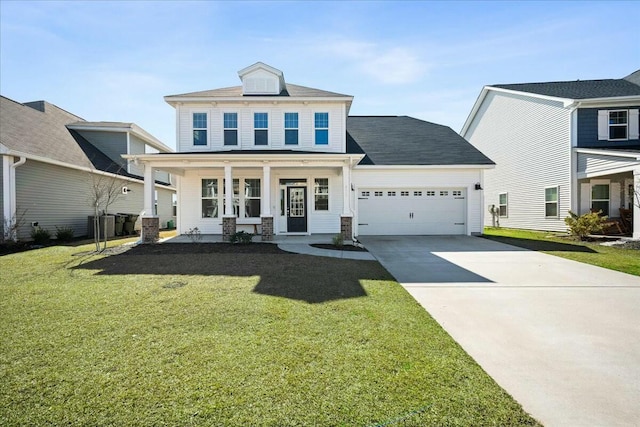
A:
(633, 124)
(603, 125)
(585, 198)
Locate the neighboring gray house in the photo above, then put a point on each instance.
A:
(560, 146)
(284, 159)
(49, 157)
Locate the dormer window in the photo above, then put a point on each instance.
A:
(261, 79)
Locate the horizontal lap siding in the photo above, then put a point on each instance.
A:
(136, 146)
(420, 178)
(113, 144)
(530, 141)
(306, 133)
(592, 163)
(57, 196)
(2, 218)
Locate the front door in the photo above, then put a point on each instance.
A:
(297, 209)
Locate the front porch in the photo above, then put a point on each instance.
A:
(609, 181)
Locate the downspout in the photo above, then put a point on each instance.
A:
(10, 210)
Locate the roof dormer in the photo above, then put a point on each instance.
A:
(261, 79)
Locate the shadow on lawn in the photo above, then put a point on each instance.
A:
(541, 245)
(282, 274)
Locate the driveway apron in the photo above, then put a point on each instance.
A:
(562, 337)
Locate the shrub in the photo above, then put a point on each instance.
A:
(40, 236)
(241, 237)
(583, 225)
(194, 234)
(338, 240)
(64, 234)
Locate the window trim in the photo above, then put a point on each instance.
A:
(556, 202)
(205, 129)
(317, 128)
(225, 129)
(316, 193)
(506, 205)
(255, 129)
(296, 129)
(617, 125)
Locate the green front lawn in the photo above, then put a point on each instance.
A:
(181, 335)
(625, 260)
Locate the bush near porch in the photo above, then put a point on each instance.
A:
(196, 335)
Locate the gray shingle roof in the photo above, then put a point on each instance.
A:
(581, 89)
(290, 90)
(403, 140)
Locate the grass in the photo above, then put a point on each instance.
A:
(168, 335)
(620, 259)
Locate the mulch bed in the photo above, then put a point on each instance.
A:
(207, 248)
(348, 248)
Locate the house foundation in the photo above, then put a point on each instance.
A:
(228, 227)
(346, 227)
(267, 228)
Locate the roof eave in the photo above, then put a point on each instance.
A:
(174, 100)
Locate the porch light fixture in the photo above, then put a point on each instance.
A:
(478, 186)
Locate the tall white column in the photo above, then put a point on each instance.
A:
(228, 190)
(265, 205)
(346, 190)
(149, 190)
(636, 203)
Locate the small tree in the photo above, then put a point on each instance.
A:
(104, 190)
(11, 225)
(584, 225)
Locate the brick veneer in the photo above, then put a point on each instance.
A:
(267, 228)
(150, 229)
(228, 227)
(346, 227)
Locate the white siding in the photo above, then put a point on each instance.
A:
(136, 146)
(594, 163)
(57, 196)
(530, 141)
(306, 134)
(2, 219)
(423, 178)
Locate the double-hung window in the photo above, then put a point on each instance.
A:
(600, 198)
(321, 194)
(261, 128)
(291, 128)
(252, 198)
(209, 197)
(618, 125)
(199, 128)
(230, 123)
(503, 204)
(551, 202)
(321, 124)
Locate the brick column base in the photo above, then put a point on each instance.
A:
(346, 228)
(228, 227)
(150, 229)
(267, 228)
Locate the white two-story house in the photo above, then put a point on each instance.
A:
(560, 146)
(272, 157)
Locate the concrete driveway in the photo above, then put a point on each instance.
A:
(563, 338)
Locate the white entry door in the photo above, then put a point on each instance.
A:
(407, 211)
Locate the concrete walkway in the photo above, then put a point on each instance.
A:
(562, 337)
(296, 244)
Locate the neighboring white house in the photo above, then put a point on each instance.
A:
(559, 146)
(277, 158)
(49, 157)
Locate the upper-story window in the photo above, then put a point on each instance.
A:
(617, 125)
(230, 123)
(261, 128)
(321, 124)
(291, 128)
(199, 128)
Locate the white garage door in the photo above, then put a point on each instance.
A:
(419, 211)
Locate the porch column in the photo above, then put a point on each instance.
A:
(636, 203)
(150, 222)
(266, 218)
(229, 218)
(346, 219)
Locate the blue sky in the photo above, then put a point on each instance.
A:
(115, 61)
